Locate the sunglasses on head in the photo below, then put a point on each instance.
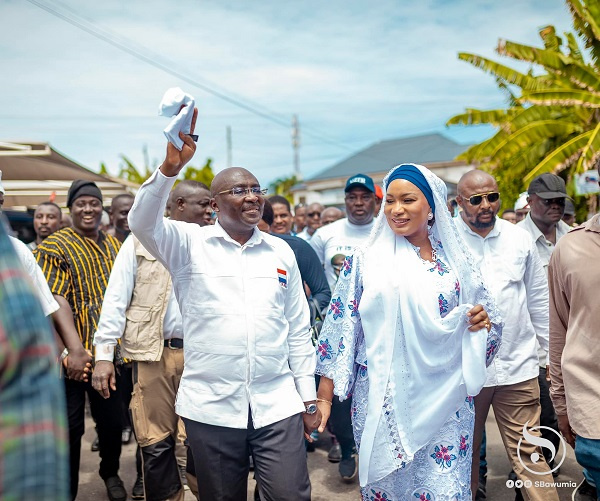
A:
(491, 197)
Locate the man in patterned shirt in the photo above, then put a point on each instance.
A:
(32, 416)
(77, 262)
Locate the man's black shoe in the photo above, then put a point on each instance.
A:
(115, 489)
(347, 469)
(138, 489)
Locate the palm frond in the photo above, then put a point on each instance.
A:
(562, 97)
(560, 157)
(506, 73)
(531, 134)
(472, 116)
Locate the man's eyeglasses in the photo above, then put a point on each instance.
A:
(257, 191)
(491, 197)
(551, 201)
(314, 214)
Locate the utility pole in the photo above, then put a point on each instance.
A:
(296, 146)
(229, 156)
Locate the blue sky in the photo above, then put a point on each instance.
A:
(354, 72)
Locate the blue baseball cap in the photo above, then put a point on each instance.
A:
(361, 180)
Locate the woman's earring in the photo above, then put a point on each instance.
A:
(430, 216)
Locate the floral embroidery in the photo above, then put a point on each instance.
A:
(463, 447)
(341, 346)
(423, 496)
(440, 267)
(336, 308)
(362, 371)
(457, 288)
(443, 303)
(492, 349)
(324, 350)
(378, 495)
(347, 266)
(471, 402)
(353, 307)
(443, 457)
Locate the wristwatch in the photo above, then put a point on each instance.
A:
(310, 409)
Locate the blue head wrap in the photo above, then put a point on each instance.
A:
(413, 175)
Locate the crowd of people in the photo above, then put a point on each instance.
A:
(236, 329)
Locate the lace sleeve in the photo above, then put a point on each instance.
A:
(342, 332)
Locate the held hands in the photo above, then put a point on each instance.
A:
(311, 422)
(324, 407)
(479, 319)
(104, 375)
(78, 365)
(175, 159)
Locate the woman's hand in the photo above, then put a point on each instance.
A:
(324, 401)
(479, 319)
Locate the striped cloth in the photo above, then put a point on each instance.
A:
(78, 269)
(33, 439)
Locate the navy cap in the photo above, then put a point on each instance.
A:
(360, 180)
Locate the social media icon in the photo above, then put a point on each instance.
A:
(510, 484)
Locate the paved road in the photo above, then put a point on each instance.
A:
(325, 480)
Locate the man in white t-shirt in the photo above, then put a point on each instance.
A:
(340, 237)
(332, 243)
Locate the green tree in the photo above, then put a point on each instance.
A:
(130, 172)
(282, 186)
(552, 119)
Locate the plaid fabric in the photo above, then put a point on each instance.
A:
(78, 269)
(33, 441)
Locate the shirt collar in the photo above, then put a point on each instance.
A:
(562, 228)
(593, 224)
(217, 231)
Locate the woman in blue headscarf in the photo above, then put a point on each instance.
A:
(409, 332)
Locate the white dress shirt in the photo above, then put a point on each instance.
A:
(49, 304)
(117, 297)
(245, 316)
(545, 249)
(511, 268)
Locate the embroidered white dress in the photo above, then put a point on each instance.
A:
(440, 470)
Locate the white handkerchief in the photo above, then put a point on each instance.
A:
(169, 106)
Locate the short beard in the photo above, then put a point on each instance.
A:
(480, 226)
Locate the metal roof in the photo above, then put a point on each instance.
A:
(382, 156)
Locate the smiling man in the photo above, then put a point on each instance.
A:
(248, 382)
(511, 268)
(77, 263)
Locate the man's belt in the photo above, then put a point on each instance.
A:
(174, 343)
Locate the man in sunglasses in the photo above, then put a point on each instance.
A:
(547, 195)
(248, 382)
(512, 270)
(313, 221)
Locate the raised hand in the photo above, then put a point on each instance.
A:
(175, 159)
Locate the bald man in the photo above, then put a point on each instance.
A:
(330, 215)
(511, 267)
(248, 382)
